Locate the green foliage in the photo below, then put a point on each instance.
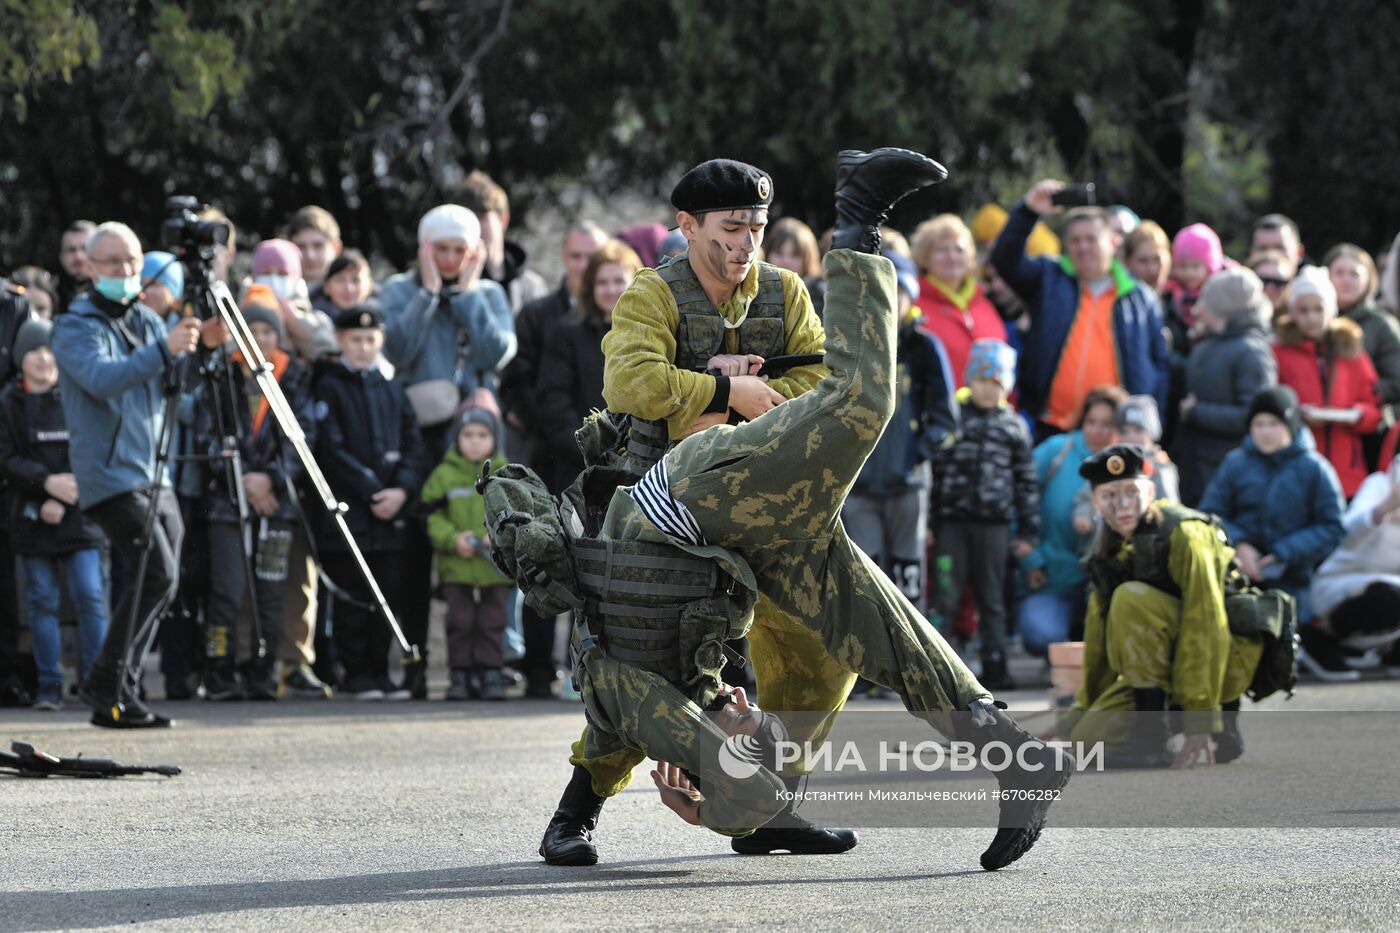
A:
(199, 65)
(41, 40)
(1185, 109)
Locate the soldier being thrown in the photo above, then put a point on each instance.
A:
(761, 502)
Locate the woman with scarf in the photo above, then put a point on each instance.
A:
(955, 308)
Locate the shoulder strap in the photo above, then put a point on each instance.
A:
(771, 300)
(1058, 462)
(685, 287)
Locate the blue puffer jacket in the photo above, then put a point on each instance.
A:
(421, 332)
(1288, 503)
(925, 422)
(111, 397)
(1051, 293)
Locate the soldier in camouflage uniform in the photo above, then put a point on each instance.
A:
(763, 499)
(1157, 630)
(714, 309)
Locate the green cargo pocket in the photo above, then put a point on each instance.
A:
(1256, 613)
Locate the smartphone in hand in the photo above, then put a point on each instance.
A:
(1074, 196)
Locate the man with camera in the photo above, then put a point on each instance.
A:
(114, 355)
(1092, 323)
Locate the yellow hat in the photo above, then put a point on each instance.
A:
(987, 223)
(1042, 242)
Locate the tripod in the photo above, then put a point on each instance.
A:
(216, 299)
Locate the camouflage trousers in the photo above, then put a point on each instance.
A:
(772, 490)
(636, 713)
(1141, 632)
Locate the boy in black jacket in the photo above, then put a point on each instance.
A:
(367, 442)
(269, 469)
(50, 533)
(981, 485)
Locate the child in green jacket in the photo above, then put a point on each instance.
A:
(476, 592)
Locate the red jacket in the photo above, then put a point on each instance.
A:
(956, 329)
(1335, 374)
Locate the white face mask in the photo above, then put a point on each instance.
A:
(283, 286)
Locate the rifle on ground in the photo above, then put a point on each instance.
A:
(28, 761)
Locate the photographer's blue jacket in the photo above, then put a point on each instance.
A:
(111, 396)
(1050, 290)
(425, 334)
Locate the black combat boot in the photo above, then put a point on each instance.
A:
(868, 184)
(1229, 743)
(1151, 730)
(1026, 795)
(995, 676)
(791, 832)
(568, 839)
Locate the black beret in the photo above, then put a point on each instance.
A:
(722, 185)
(359, 317)
(1120, 461)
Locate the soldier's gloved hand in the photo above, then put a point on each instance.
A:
(750, 396)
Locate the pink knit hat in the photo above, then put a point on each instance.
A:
(277, 254)
(1199, 243)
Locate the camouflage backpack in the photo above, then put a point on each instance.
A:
(530, 534)
(1273, 616)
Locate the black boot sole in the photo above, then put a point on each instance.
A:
(852, 158)
(767, 841)
(1010, 844)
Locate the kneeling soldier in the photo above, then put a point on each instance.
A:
(1159, 632)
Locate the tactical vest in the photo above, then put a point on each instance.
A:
(659, 609)
(647, 604)
(1249, 610)
(1150, 561)
(700, 336)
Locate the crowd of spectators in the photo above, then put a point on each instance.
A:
(1263, 387)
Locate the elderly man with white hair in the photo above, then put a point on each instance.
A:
(113, 353)
(447, 331)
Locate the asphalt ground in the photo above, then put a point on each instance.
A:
(335, 815)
